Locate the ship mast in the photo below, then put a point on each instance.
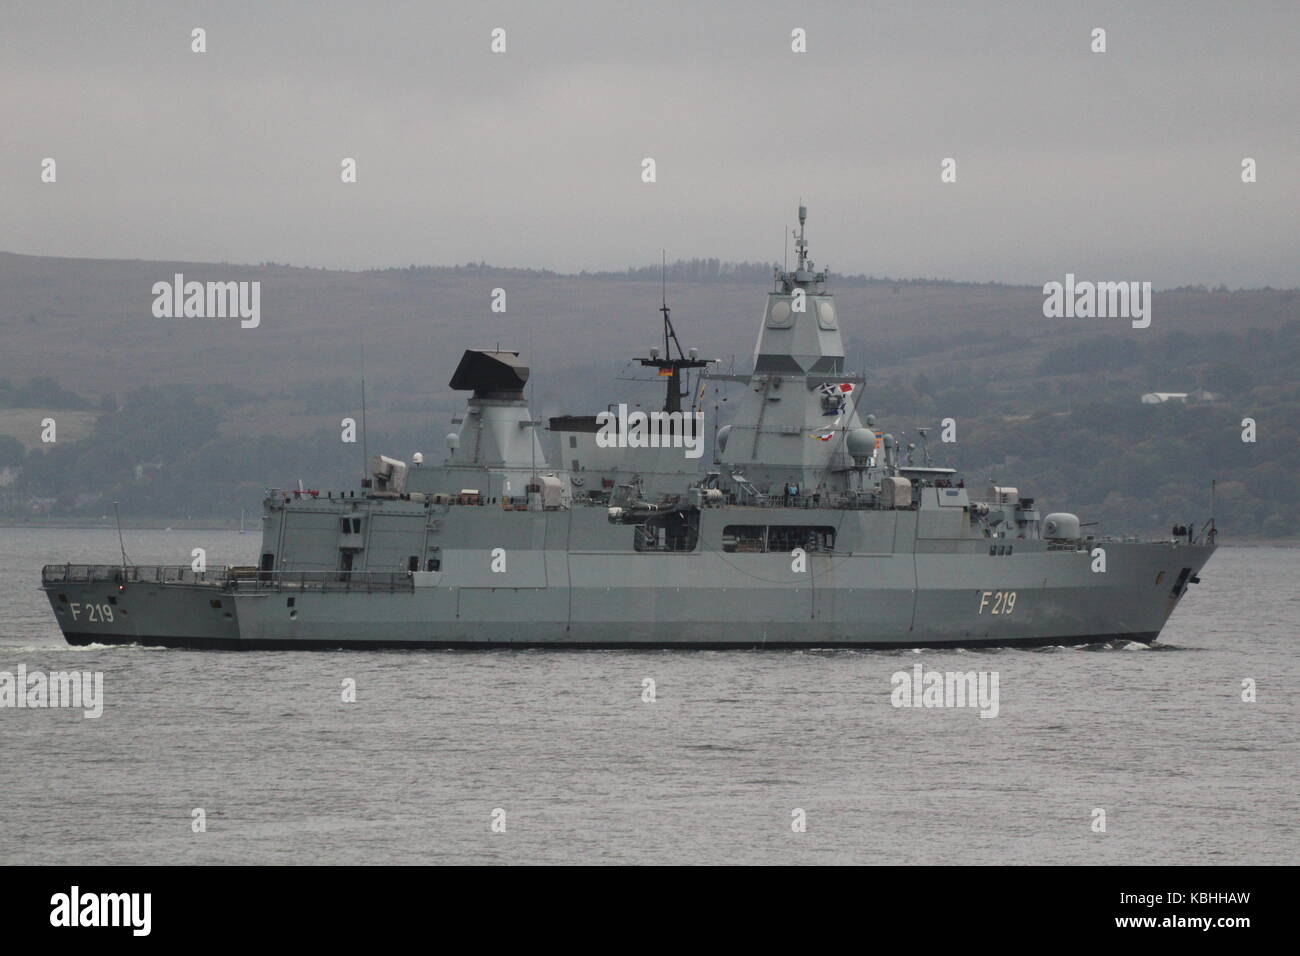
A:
(669, 367)
(804, 275)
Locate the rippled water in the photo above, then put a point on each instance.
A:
(710, 772)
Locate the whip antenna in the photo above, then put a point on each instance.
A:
(365, 457)
(121, 545)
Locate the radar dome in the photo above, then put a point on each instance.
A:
(862, 443)
(723, 432)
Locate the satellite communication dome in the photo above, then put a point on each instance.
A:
(862, 443)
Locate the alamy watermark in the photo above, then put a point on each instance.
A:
(208, 300)
(624, 429)
(75, 908)
(1101, 300)
(922, 688)
(38, 690)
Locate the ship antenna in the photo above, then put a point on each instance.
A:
(801, 244)
(532, 397)
(532, 430)
(365, 456)
(1214, 528)
(121, 545)
(663, 291)
(663, 278)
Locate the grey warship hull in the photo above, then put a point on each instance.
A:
(931, 592)
(809, 528)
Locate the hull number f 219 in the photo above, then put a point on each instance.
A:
(997, 602)
(95, 613)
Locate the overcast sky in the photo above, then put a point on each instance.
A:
(1123, 165)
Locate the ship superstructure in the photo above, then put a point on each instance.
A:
(805, 525)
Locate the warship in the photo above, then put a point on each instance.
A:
(808, 526)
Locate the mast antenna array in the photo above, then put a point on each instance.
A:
(669, 367)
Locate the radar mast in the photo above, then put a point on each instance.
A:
(669, 367)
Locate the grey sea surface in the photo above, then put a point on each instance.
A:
(713, 771)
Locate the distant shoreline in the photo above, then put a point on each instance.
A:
(251, 524)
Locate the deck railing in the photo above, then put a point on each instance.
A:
(133, 573)
(323, 581)
(227, 578)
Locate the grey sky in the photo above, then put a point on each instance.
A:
(1120, 165)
